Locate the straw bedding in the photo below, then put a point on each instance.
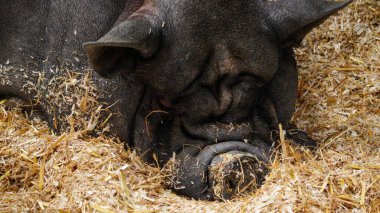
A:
(338, 105)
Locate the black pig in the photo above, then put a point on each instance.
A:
(220, 75)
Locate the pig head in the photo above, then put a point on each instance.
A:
(220, 77)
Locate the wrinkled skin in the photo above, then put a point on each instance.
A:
(195, 78)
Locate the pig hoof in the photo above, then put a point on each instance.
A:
(234, 172)
(301, 138)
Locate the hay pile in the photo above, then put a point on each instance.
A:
(338, 105)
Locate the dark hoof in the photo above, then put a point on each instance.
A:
(301, 138)
(205, 175)
(235, 172)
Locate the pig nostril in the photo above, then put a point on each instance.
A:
(230, 184)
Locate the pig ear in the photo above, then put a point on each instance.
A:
(293, 19)
(138, 36)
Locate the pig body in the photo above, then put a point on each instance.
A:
(195, 78)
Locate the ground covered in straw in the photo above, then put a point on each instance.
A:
(338, 105)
